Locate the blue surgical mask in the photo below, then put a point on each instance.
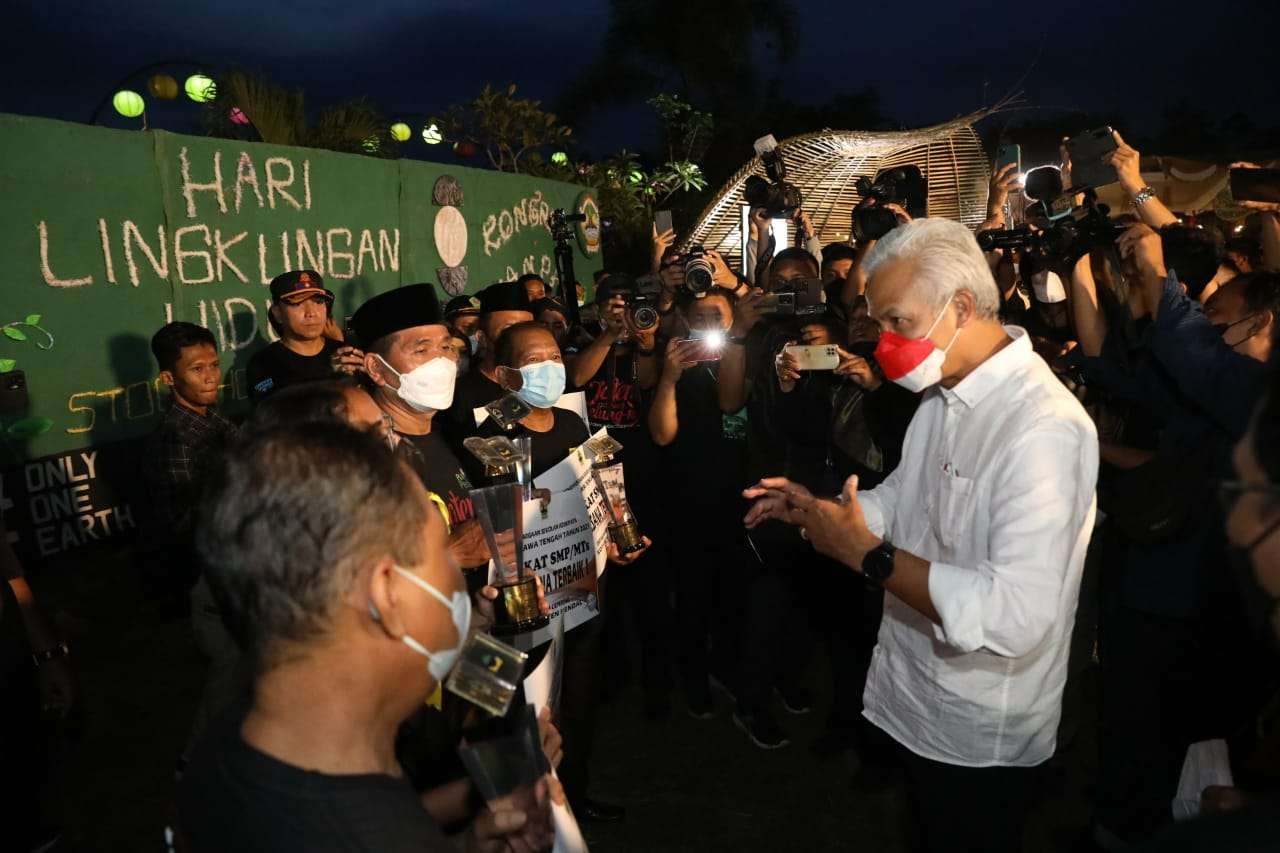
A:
(439, 663)
(541, 384)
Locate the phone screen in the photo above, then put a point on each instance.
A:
(1088, 164)
(662, 221)
(1009, 154)
(1255, 185)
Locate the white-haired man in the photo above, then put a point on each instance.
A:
(978, 537)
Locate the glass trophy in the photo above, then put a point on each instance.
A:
(623, 529)
(500, 510)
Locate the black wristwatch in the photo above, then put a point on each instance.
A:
(877, 565)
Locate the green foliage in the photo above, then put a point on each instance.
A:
(510, 131)
(279, 116)
(7, 364)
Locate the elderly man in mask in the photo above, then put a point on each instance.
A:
(978, 538)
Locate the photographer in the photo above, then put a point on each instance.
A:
(711, 557)
(972, 653)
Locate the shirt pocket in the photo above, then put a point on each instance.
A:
(954, 515)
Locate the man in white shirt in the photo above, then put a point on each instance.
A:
(978, 537)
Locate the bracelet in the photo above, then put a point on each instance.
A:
(1143, 196)
(52, 653)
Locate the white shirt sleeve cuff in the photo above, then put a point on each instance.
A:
(955, 596)
(871, 513)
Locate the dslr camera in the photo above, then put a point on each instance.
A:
(698, 272)
(778, 197)
(642, 306)
(561, 222)
(1071, 231)
(904, 186)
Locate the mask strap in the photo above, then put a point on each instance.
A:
(417, 647)
(398, 374)
(938, 319)
(426, 587)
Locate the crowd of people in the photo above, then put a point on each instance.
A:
(909, 483)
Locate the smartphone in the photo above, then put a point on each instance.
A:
(822, 357)
(1009, 154)
(662, 221)
(710, 345)
(1255, 185)
(1088, 151)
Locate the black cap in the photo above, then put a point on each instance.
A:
(461, 305)
(505, 296)
(405, 307)
(297, 284)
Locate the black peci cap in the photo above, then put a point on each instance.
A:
(403, 308)
(505, 296)
(461, 305)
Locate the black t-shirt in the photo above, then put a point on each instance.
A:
(473, 390)
(548, 448)
(614, 397)
(440, 473)
(276, 366)
(234, 797)
(710, 446)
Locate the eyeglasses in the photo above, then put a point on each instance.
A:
(1230, 491)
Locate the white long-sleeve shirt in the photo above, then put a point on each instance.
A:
(996, 490)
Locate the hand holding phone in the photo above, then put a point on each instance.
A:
(821, 357)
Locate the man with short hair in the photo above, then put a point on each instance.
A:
(501, 305)
(180, 457)
(301, 309)
(347, 634)
(534, 286)
(978, 538)
(412, 364)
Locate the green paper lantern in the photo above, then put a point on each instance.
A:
(400, 132)
(128, 103)
(371, 144)
(432, 135)
(560, 158)
(200, 88)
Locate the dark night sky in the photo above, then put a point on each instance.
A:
(929, 60)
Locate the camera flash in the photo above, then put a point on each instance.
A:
(715, 340)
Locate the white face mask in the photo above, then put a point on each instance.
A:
(1048, 287)
(428, 387)
(439, 663)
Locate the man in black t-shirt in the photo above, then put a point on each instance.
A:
(412, 363)
(330, 562)
(300, 313)
(501, 306)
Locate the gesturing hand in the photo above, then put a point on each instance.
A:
(1002, 183)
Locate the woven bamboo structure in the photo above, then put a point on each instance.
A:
(824, 165)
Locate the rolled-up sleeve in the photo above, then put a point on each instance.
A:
(1040, 505)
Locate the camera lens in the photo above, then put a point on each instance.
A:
(697, 275)
(644, 318)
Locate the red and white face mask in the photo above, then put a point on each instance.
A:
(913, 363)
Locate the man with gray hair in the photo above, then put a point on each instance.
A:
(978, 538)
